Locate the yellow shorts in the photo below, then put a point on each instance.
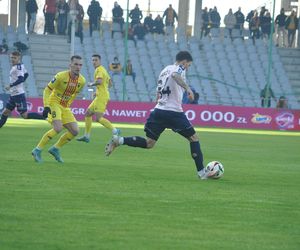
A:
(59, 112)
(98, 105)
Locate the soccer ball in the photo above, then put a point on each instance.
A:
(214, 170)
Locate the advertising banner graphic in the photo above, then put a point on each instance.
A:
(199, 115)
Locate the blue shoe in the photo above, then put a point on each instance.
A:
(118, 132)
(55, 152)
(84, 139)
(36, 153)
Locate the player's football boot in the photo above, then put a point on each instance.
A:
(117, 132)
(202, 174)
(84, 139)
(111, 145)
(36, 153)
(55, 152)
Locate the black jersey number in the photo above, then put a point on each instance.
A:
(162, 89)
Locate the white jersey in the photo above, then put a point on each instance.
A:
(170, 93)
(16, 71)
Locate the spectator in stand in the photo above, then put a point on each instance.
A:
(265, 96)
(158, 27)
(280, 22)
(94, 12)
(240, 20)
(3, 47)
(136, 16)
(115, 67)
(254, 26)
(149, 23)
(215, 18)
(129, 70)
(117, 12)
(248, 19)
(205, 29)
(31, 9)
(139, 31)
(130, 35)
(62, 19)
(291, 25)
(282, 103)
(170, 15)
(49, 11)
(230, 22)
(78, 20)
(265, 24)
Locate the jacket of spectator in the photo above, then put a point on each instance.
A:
(240, 19)
(135, 15)
(31, 6)
(215, 18)
(170, 15)
(280, 19)
(230, 20)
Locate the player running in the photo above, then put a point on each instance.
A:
(168, 113)
(58, 96)
(102, 82)
(17, 76)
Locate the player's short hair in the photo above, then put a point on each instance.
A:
(184, 55)
(97, 55)
(16, 53)
(76, 57)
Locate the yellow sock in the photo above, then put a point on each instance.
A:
(65, 138)
(106, 123)
(46, 138)
(88, 125)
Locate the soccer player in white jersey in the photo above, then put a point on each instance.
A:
(168, 113)
(17, 76)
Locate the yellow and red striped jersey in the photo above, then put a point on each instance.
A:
(63, 89)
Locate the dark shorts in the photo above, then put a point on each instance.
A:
(159, 120)
(18, 101)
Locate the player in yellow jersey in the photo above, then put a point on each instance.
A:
(58, 96)
(102, 82)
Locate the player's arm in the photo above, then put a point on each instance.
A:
(178, 79)
(46, 94)
(98, 81)
(21, 78)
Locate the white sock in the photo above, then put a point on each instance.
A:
(121, 140)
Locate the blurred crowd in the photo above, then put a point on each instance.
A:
(60, 14)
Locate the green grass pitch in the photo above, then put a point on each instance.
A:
(149, 199)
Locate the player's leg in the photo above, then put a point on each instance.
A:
(88, 124)
(55, 119)
(70, 123)
(100, 108)
(180, 124)
(153, 129)
(4, 117)
(10, 106)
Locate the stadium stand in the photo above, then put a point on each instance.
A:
(224, 72)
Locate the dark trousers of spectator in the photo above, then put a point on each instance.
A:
(28, 21)
(62, 24)
(204, 30)
(93, 23)
(254, 35)
(49, 23)
(291, 37)
(263, 100)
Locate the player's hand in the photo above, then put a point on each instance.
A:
(46, 111)
(190, 94)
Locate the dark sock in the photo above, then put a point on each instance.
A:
(197, 155)
(135, 141)
(35, 116)
(3, 120)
